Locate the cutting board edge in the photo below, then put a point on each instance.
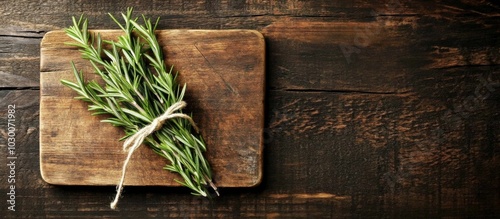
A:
(255, 32)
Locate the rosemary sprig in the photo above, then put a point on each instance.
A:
(138, 88)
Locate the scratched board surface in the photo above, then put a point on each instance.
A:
(224, 72)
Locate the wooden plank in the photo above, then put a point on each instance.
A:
(19, 58)
(224, 71)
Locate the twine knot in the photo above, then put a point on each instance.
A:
(133, 142)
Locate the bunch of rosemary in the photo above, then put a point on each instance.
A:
(139, 88)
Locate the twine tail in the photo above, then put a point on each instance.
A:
(137, 139)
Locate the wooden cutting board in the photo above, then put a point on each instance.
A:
(224, 72)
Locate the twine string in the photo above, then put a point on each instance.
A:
(133, 142)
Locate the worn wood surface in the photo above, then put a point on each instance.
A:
(224, 72)
(385, 109)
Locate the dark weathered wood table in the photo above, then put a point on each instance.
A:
(373, 110)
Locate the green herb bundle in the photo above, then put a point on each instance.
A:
(138, 89)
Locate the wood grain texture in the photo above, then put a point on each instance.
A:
(224, 70)
(371, 110)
